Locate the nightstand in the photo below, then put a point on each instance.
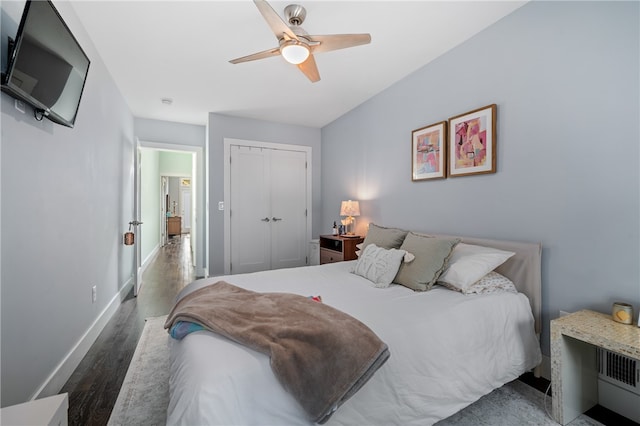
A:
(574, 369)
(334, 248)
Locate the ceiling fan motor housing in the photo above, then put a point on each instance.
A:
(295, 14)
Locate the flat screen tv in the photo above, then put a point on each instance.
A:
(46, 67)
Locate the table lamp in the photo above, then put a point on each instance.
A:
(350, 209)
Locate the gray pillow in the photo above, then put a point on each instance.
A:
(387, 238)
(432, 255)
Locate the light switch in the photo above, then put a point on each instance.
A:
(221, 205)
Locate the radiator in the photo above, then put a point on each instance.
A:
(619, 383)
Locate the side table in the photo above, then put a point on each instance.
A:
(574, 372)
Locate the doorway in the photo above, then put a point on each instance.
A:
(163, 163)
(177, 203)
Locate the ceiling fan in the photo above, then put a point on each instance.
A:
(295, 45)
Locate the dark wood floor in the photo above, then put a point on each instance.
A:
(93, 387)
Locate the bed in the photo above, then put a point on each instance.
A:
(448, 348)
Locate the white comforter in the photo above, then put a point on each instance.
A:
(447, 350)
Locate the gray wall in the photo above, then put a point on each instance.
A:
(67, 196)
(147, 129)
(221, 127)
(565, 78)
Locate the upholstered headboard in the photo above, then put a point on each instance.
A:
(524, 269)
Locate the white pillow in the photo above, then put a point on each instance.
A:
(379, 265)
(408, 257)
(469, 263)
(493, 282)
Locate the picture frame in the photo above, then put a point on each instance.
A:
(472, 142)
(429, 152)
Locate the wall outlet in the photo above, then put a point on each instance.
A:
(94, 294)
(19, 105)
(564, 313)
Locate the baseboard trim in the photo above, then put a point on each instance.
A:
(202, 273)
(67, 366)
(150, 258)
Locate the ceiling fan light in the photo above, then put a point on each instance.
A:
(294, 53)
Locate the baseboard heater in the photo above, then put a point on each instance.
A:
(619, 383)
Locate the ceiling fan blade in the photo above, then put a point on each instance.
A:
(276, 23)
(260, 55)
(338, 41)
(310, 69)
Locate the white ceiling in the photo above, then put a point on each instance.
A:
(180, 50)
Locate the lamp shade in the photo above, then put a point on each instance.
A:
(294, 52)
(350, 208)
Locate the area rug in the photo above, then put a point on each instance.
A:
(144, 396)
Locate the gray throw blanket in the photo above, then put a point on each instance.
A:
(320, 355)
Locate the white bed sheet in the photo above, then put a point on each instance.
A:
(447, 350)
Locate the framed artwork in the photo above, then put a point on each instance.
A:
(472, 142)
(429, 152)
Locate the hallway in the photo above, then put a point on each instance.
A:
(94, 386)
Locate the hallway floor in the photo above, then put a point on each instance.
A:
(94, 386)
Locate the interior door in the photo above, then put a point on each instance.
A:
(268, 201)
(164, 208)
(288, 209)
(249, 210)
(135, 223)
(185, 200)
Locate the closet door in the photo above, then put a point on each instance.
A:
(288, 208)
(250, 210)
(268, 216)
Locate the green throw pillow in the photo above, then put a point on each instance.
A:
(386, 238)
(432, 256)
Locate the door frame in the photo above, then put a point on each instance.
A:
(164, 190)
(228, 142)
(199, 187)
(137, 229)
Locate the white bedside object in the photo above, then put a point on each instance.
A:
(50, 411)
(574, 373)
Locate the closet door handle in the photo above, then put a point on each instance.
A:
(276, 219)
(266, 219)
